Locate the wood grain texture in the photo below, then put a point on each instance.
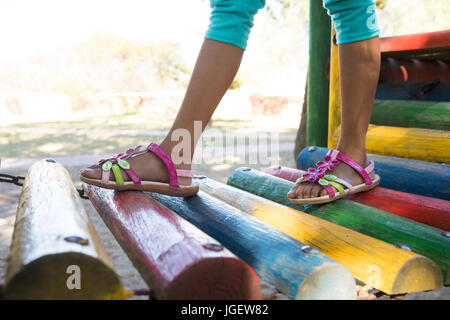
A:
(371, 261)
(298, 272)
(430, 211)
(411, 176)
(411, 114)
(421, 239)
(176, 259)
(53, 232)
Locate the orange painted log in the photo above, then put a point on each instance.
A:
(430, 211)
(176, 259)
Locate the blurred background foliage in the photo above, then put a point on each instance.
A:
(276, 57)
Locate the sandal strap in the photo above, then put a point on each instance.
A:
(117, 174)
(330, 190)
(105, 176)
(160, 153)
(185, 173)
(133, 176)
(336, 154)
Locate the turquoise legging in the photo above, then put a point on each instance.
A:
(231, 20)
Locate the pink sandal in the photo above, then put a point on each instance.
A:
(173, 188)
(328, 181)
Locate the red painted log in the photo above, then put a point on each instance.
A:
(177, 260)
(417, 41)
(430, 45)
(430, 211)
(413, 70)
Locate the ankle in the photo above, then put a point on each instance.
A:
(356, 153)
(179, 160)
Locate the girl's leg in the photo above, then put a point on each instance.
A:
(215, 69)
(359, 64)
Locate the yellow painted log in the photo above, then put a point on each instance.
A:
(334, 111)
(412, 143)
(55, 251)
(374, 262)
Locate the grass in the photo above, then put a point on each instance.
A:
(105, 134)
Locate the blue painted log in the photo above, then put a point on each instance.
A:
(412, 176)
(421, 91)
(295, 269)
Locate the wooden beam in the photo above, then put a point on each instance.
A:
(430, 211)
(371, 261)
(411, 114)
(411, 176)
(413, 70)
(297, 270)
(55, 251)
(431, 45)
(176, 259)
(421, 239)
(420, 91)
(411, 143)
(318, 84)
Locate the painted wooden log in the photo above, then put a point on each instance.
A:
(318, 84)
(421, 91)
(429, 45)
(430, 211)
(413, 70)
(374, 262)
(411, 114)
(55, 250)
(422, 239)
(295, 269)
(411, 176)
(176, 259)
(412, 143)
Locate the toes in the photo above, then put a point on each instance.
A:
(315, 191)
(323, 193)
(295, 192)
(91, 173)
(307, 191)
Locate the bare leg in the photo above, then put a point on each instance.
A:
(359, 65)
(215, 69)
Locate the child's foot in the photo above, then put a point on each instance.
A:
(308, 190)
(150, 170)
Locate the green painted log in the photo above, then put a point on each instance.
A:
(420, 238)
(412, 114)
(318, 84)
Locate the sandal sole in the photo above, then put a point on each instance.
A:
(325, 199)
(149, 186)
